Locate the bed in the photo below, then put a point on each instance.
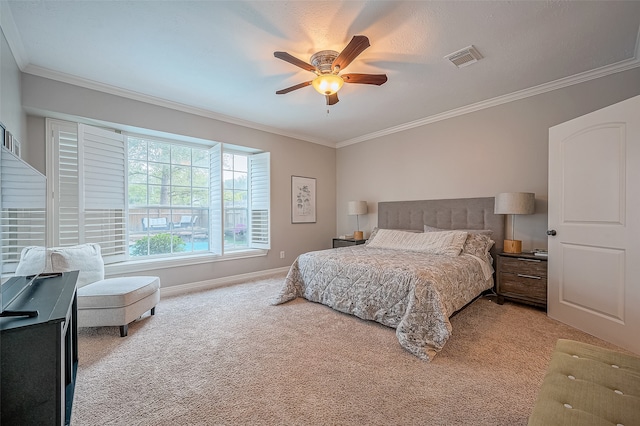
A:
(403, 277)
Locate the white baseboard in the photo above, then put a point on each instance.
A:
(218, 282)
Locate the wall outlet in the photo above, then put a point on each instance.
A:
(281, 255)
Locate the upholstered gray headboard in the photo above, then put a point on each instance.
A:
(455, 213)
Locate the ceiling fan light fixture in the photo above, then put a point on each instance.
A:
(327, 64)
(327, 84)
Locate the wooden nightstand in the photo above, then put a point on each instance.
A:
(346, 242)
(522, 278)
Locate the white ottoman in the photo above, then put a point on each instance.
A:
(110, 302)
(117, 301)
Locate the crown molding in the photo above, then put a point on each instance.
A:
(8, 27)
(10, 31)
(521, 94)
(129, 94)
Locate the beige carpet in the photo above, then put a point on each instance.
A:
(226, 356)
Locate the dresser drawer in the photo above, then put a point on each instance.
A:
(523, 266)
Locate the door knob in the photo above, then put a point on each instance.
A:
(551, 232)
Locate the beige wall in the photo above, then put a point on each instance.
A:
(11, 113)
(43, 97)
(499, 149)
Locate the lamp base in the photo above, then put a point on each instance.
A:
(512, 246)
(358, 235)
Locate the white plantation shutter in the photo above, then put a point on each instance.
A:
(260, 177)
(103, 161)
(23, 212)
(104, 168)
(64, 185)
(215, 199)
(23, 187)
(89, 189)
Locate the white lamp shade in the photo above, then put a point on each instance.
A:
(357, 207)
(515, 203)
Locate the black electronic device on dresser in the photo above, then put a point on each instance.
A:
(346, 242)
(522, 277)
(39, 350)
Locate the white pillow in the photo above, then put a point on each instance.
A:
(448, 243)
(33, 260)
(375, 231)
(85, 258)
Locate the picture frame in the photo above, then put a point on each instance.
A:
(8, 140)
(15, 147)
(303, 199)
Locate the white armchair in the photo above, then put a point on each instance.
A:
(101, 302)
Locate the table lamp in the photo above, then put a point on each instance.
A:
(514, 203)
(357, 208)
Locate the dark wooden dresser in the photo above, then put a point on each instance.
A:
(39, 354)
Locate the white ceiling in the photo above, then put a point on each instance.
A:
(216, 58)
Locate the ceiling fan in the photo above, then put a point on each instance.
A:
(327, 65)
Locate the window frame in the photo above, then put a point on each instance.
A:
(170, 209)
(226, 211)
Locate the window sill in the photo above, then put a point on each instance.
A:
(165, 263)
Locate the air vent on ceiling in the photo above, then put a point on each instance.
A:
(464, 57)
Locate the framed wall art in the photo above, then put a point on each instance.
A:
(15, 147)
(7, 140)
(303, 199)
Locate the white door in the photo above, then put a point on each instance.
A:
(594, 210)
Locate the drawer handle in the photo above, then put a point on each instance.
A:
(529, 276)
(529, 260)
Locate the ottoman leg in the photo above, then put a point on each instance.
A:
(153, 310)
(124, 330)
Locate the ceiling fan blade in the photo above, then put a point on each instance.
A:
(376, 79)
(332, 99)
(295, 61)
(354, 48)
(292, 88)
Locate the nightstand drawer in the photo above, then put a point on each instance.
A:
(519, 285)
(524, 266)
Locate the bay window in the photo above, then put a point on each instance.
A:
(143, 197)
